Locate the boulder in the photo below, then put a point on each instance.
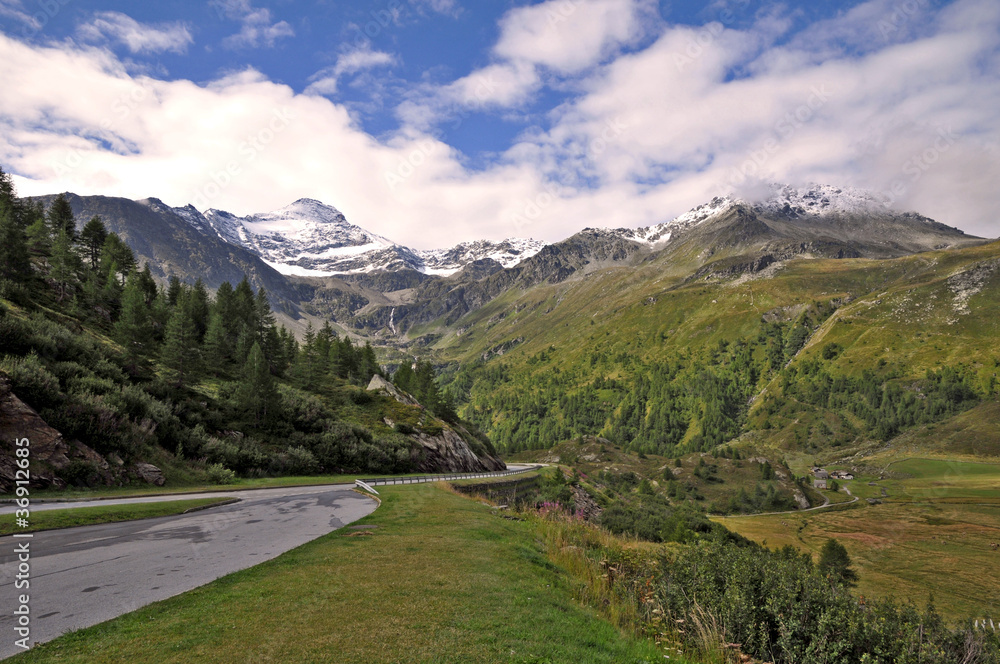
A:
(149, 474)
(50, 452)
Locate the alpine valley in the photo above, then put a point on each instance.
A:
(707, 363)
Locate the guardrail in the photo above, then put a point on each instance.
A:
(443, 478)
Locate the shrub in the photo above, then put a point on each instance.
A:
(31, 381)
(216, 473)
(300, 461)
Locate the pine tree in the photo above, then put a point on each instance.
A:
(403, 379)
(199, 307)
(257, 396)
(39, 238)
(148, 284)
(835, 564)
(14, 263)
(180, 352)
(92, 238)
(61, 218)
(133, 329)
(173, 290)
(218, 345)
(118, 255)
(307, 362)
(64, 264)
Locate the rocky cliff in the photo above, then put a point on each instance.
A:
(448, 451)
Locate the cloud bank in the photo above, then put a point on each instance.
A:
(661, 117)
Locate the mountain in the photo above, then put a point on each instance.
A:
(726, 236)
(311, 239)
(167, 239)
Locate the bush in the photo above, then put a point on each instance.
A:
(216, 473)
(31, 381)
(300, 461)
(15, 336)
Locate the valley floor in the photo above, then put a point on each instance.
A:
(935, 534)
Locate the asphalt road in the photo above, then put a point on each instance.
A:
(84, 576)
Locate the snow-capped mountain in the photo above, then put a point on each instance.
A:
(310, 238)
(812, 202)
(508, 253)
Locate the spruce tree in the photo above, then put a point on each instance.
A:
(218, 345)
(39, 238)
(61, 218)
(115, 253)
(133, 329)
(92, 238)
(199, 307)
(835, 564)
(257, 396)
(14, 263)
(64, 264)
(180, 352)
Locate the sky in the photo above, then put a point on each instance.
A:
(437, 121)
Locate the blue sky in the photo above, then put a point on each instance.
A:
(433, 121)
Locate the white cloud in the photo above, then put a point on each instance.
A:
(15, 9)
(570, 35)
(324, 82)
(447, 7)
(557, 37)
(257, 28)
(138, 37)
(649, 134)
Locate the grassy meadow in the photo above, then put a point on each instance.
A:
(932, 534)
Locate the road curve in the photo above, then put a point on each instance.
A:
(84, 576)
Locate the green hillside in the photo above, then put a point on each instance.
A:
(807, 355)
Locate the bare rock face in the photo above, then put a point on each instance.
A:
(449, 452)
(446, 452)
(149, 474)
(379, 384)
(50, 453)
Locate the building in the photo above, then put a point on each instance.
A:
(819, 483)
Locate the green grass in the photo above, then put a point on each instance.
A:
(909, 551)
(441, 579)
(88, 516)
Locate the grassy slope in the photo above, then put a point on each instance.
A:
(441, 579)
(88, 516)
(931, 535)
(592, 457)
(901, 311)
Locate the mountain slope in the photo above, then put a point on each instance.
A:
(173, 247)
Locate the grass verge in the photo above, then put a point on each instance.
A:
(88, 516)
(439, 579)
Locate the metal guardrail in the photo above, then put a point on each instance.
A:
(443, 478)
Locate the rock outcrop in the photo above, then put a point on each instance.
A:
(50, 452)
(445, 452)
(149, 474)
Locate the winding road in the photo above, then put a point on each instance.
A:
(83, 576)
